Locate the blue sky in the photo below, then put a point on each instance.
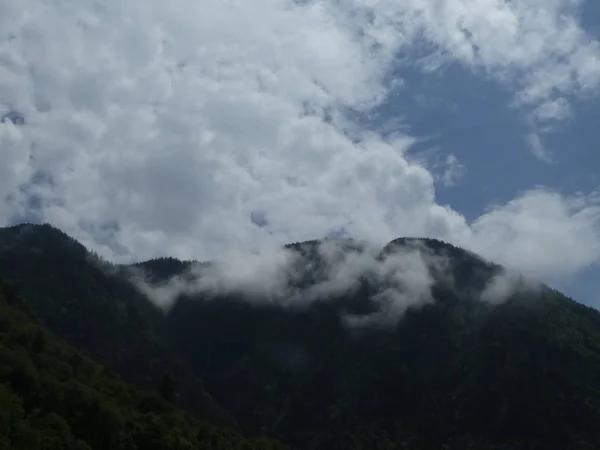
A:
(470, 118)
(472, 121)
(193, 129)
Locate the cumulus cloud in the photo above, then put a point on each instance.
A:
(177, 126)
(541, 234)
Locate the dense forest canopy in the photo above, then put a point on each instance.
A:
(474, 358)
(54, 398)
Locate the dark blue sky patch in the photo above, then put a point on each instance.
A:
(337, 233)
(590, 15)
(42, 177)
(457, 112)
(13, 117)
(259, 218)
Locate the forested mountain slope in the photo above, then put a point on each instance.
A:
(456, 371)
(54, 398)
(417, 345)
(82, 299)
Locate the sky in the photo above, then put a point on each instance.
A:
(146, 128)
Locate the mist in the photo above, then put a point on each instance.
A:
(296, 277)
(507, 284)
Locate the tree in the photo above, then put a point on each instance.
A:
(166, 388)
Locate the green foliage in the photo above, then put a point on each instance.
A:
(167, 387)
(88, 302)
(454, 374)
(53, 398)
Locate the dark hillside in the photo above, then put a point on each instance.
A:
(452, 369)
(85, 301)
(54, 398)
(524, 373)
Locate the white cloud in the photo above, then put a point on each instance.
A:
(453, 172)
(181, 120)
(276, 276)
(501, 287)
(541, 233)
(555, 110)
(537, 147)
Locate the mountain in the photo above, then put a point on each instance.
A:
(54, 398)
(83, 300)
(454, 370)
(334, 344)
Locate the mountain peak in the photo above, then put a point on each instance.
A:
(36, 238)
(451, 370)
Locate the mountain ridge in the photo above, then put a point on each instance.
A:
(449, 371)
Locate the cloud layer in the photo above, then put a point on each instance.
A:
(187, 128)
(296, 278)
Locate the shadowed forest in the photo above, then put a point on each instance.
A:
(87, 361)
